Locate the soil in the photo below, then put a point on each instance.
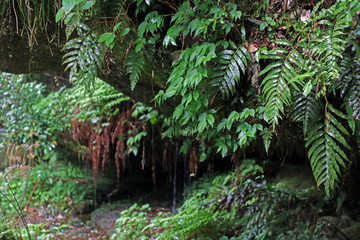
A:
(63, 226)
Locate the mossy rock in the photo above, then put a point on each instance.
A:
(299, 180)
(353, 231)
(340, 227)
(104, 218)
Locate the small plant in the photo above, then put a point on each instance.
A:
(240, 205)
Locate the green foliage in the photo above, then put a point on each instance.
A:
(27, 116)
(134, 67)
(83, 57)
(240, 205)
(279, 76)
(97, 104)
(327, 153)
(231, 63)
(314, 80)
(72, 11)
(61, 186)
(131, 222)
(308, 74)
(306, 109)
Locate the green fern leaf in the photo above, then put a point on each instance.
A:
(327, 149)
(275, 85)
(350, 83)
(83, 57)
(232, 63)
(134, 66)
(306, 109)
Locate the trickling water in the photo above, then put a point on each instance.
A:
(173, 208)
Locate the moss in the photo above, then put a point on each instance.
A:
(299, 180)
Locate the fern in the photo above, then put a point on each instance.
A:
(231, 64)
(327, 148)
(306, 109)
(134, 66)
(83, 57)
(103, 95)
(350, 85)
(276, 84)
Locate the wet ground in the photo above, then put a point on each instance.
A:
(96, 225)
(63, 226)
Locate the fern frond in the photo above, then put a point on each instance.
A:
(134, 66)
(306, 109)
(350, 83)
(83, 57)
(231, 64)
(279, 78)
(327, 152)
(329, 46)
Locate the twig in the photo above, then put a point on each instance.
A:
(28, 200)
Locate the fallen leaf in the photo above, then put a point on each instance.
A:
(252, 48)
(305, 15)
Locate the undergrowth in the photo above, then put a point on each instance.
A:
(239, 205)
(55, 186)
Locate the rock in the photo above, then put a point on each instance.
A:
(104, 218)
(298, 179)
(352, 232)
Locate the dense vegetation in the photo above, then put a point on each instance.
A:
(270, 79)
(240, 71)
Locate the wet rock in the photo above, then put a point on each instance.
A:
(105, 217)
(298, 179)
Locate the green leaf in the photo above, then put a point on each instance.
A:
(68, 5)
(87, 5)
(68, 18)
(178, 112)
(210, 119)
(125, 31)
(59, 14)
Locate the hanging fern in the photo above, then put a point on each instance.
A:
(83, 57)
(350, 83)
(327, 152)
(306, 109)
(231, 64)
(134, 67)
(279, 76)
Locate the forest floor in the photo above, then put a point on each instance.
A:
(96, 225)
(62, 226)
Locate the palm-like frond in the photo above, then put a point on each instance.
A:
(279, 77)
(306, 109)
(327, 152)
(83, 56)
(134, 66)
(231, 64)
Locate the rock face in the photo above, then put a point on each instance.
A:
(298, 179)
(45, 56)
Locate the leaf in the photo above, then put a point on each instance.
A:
(326, 152)
(68, 5)
(87, 5)
(68, 18)
(106, 37)
(178, 112)
(59, 14)
(210, 119)
(231, 64)
(125, 31)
